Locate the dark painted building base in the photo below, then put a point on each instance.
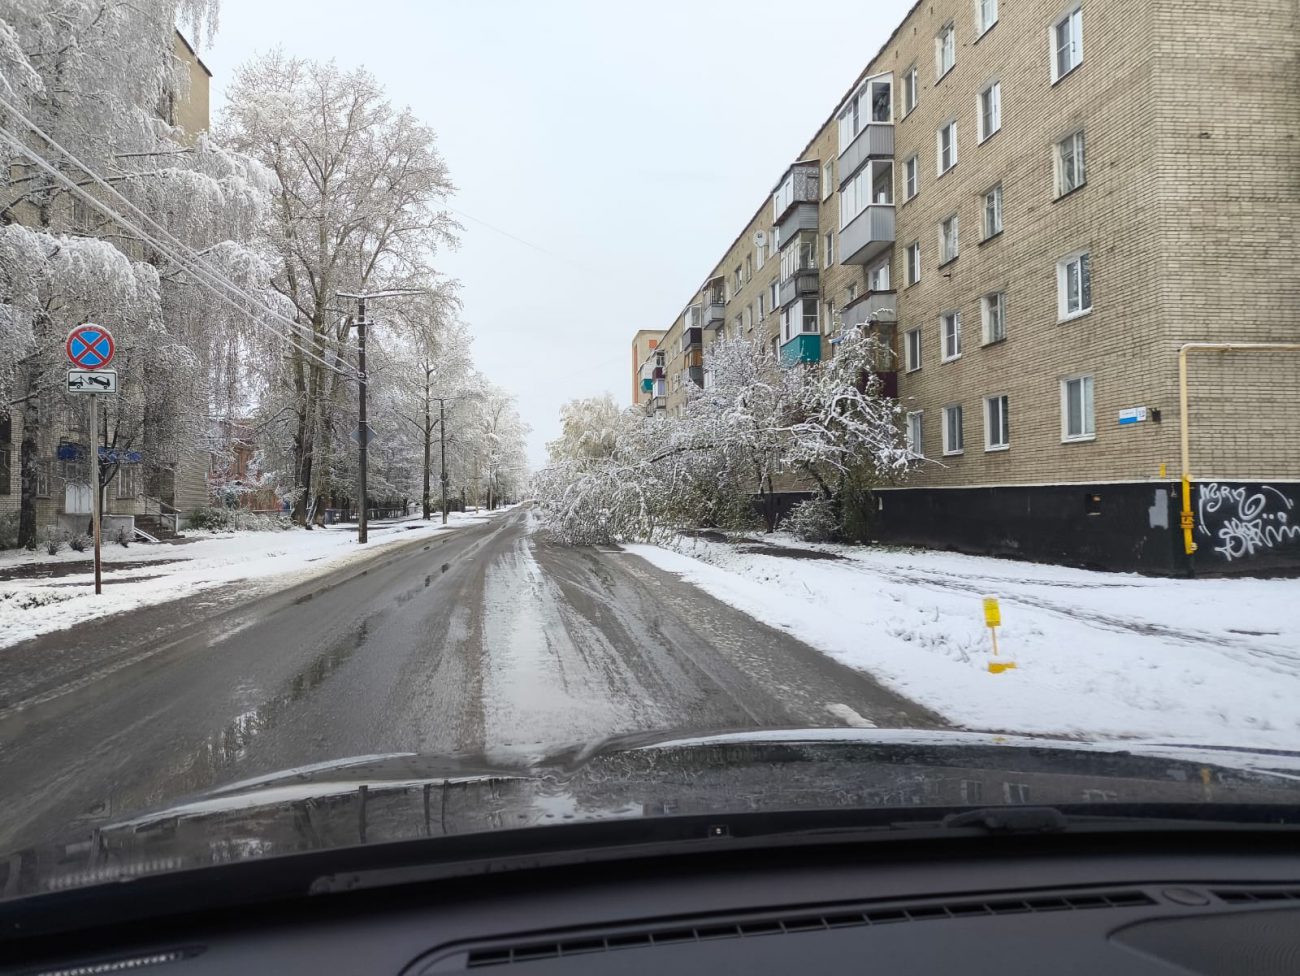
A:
(1246, 528)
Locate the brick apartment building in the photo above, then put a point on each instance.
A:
(1038, 205)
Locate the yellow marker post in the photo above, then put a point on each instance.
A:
(993, 620)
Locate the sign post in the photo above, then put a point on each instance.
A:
(993, 620)
(90, 348)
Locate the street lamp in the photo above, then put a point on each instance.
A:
(363, 429)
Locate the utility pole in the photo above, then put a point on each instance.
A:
(363, 429)
(442, 445)
(428, 374)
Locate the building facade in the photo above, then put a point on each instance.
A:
(1039, 206)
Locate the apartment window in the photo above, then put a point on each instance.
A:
(808, 314)
(911, 176)
(912, 350)
(950, 335)
(1077, 422)
(993, 212)
(997, 426)
(1067, 44)
(128, 482)
(946, 140)
(776, 351)
(828, 318)
(43, 479)
(945, 50)
(993, 311)
(972, 791)
(828, 178)
(986, 14)
(914, 262)
(853, 290)
(1016, 792)
(738, 280)
(774, 300)
(953, 439)
(878, 277)
(873, 101)
(990, 113)
(1071, 164)
(828, 249)
(749, 267)
(1074, 285)
(948, 244)
(748, 316)
(874, 183)
(915, 433)
(762, 305)
(911, 89)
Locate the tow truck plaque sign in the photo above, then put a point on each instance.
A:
(92, 381)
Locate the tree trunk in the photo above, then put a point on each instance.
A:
(29, 466)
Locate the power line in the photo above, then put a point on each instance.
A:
(214, 281)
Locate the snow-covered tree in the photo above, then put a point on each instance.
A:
(355, 208)
(627, 475)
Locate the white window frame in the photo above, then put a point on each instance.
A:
(945, 43)
(989, 301)
(949, 449)
(950, 336)
(992, 228)
(828, 178)
(915, 432)
(993, 125)
(949, 239)
(949, 127)
(1074, 18)
(828, 249)
(911, 90)
(1078, 151)
(913, 350)
(1063, 310)
(986, 15)
(878, 276)
(990, 444)
(1016, 792)
(911, 176)
(1087, 407)
(913, 263)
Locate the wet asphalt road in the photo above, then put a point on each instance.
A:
(487, 642)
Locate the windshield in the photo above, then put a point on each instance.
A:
(500, 415)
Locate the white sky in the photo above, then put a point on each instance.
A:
(625, 142)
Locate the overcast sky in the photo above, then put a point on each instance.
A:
(605, 152)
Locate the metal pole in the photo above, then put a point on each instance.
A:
(428, 436)
(442, 443)
(363, 428)
(96, 513)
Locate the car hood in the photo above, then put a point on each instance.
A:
(395, 797)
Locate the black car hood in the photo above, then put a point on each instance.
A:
(380, 799)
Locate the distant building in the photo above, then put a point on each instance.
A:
(1037, 205)
(648, 369)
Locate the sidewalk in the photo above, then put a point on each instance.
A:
(1214, 661)
(40, 593)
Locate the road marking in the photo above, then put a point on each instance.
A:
(849, 717)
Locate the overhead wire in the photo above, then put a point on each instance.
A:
(203, 274)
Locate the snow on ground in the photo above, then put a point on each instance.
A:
(30, 607)
(1205, 661)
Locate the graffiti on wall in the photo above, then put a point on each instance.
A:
(1248, 520)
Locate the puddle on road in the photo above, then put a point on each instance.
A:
(230, 745)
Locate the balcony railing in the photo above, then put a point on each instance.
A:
(713, 312)
(801, 184)
(692, 337)
(875, 141)
(696, 373)
(868, 235)
(802, 282)
(873, 307)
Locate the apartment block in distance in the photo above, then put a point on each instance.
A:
(1075, 225)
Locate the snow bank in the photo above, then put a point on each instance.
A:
(1196, 661)
(267, 560)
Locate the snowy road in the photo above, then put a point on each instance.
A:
(489, 642)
